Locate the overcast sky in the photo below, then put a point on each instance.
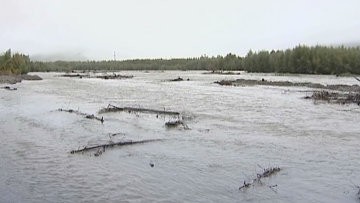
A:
(94, 29)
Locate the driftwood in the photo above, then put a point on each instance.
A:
(115, 134)
(9, 88)
(176, 79)
(335, 97)
(114, 76)
(78, 71)
(267, 172)
(245, 185)
(112, 108)
(225, 82)
(105, 77)
(68, 75)
(101, 148)
(244, 82)
(174, 124)
(222, 72)
(88, 116)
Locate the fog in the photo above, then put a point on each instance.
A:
(94, 30)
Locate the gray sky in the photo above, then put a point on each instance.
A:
(94, 29)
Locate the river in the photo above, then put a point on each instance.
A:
(234, 133)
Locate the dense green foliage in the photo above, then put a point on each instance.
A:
(306, 60)
(14, 64)
(301, 59)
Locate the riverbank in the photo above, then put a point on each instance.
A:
(12, 79)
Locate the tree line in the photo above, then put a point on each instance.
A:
(301, 59)
(14, 63)
(229, 62)
(306, 60)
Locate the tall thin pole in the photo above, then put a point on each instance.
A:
(114, 56)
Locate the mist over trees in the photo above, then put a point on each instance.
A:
(301, 59)
(14, 63)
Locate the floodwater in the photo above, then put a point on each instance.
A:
(234, 133)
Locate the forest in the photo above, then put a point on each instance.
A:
(301, 59)
(305, 60)
(14, 63)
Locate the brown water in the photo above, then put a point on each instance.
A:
(234, 131)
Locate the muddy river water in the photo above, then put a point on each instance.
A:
(234, 133)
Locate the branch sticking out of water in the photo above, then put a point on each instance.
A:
(88, 116)
(112, 108)
(272, 187)
(245, 185)
(267, 172)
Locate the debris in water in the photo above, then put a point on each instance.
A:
(176, 79)
(112, 108)
(245, 82)
(245, 185)
(176, 123)
(105, 77)
(220, 72)
(267, 172)
(114, 76)
(111, 144)
(99, 152)
(173, 124)
(272, 187)
(335, 97)
(116, 134)
(224, 82)
(88, 116)
(9, 88)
